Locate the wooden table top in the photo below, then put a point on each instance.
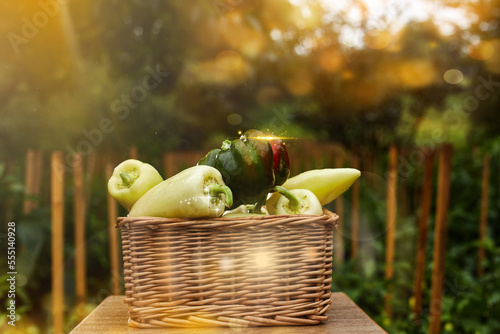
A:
(344, 317)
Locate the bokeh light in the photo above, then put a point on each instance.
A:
(234, 119)
(377, 39)
(482, 50)
(415, 73)
(347, 75)
(493, 63)
(453, 76)
(269, 94)
(240, 35)
(262, 260)
(331, 61)
(300, 83)
(228, 60)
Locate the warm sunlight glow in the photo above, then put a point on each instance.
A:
(331, 61)
(377, 39)
(262, 260)
(348, 75)
(300, 84)
(416, 73)
(226, 264)
(482, 50)
(240, 35)
(390, 17)
(227, 70)
(493, 63)
(273, 138)
(228, 60)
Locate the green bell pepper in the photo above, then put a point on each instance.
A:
(130, 180)
(247, 167)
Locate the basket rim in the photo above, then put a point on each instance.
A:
(327, 217)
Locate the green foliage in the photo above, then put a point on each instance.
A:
(468, 301)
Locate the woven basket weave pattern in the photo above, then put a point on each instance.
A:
(265, 271)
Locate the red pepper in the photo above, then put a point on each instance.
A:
(281, 161)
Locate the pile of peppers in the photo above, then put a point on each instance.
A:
(251, 166)
(245, 174)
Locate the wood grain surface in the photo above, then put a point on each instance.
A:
(345, 317)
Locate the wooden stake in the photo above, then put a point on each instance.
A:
(80, 249)
(295, 161)
(423, 224)
(483, 224)
(113, 237)
(339, 251)
(89, 177)
(355, 211)
(133, 154)
(9, 202)
(404, 198)
(309, 151)
(391, 220)
(443, 197)
(37, 178)
(57, 217)
(29, 183)
(169, 164)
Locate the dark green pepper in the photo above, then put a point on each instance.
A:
(247, 167)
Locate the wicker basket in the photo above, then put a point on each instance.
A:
(236, 272)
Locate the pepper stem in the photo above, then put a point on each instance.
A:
(216, 189)
(293, 201)
(127, 180)
(258, 206)
(226, 144)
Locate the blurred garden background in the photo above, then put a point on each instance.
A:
(97, 78)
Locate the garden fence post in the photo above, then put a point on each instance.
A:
(57, 222)
(133, 153)
(9, 202)
(443, 197)
(403, 197)
(311, 159)
(169, 164)
(483, 224)
(195, 156)
(339, 208)
(295, 163)
(29, 182)
(37, 182)
(391, 221)
(355, 210)
(92, 161)
(423, 223)
(113, 237)
(80, 249)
